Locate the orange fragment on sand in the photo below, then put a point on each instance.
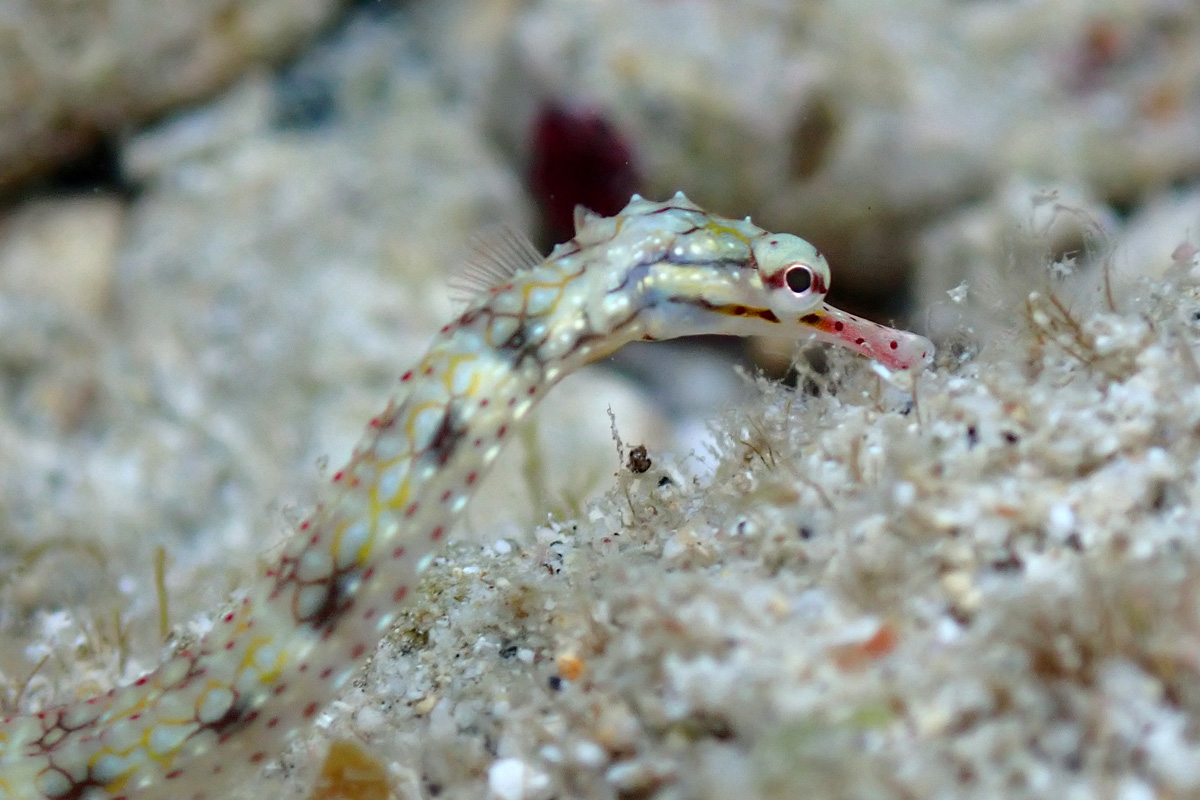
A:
(350, 773)
(857, 655)
(570, 666)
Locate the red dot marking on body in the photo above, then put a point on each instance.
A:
(837, 326)
(408, 512)
(859, 341)
(503, 430)
(304, 525)
(533, 390)
(338, 476)
(229, 645)
(398, 552)
(304, 666)
(406, 376)
(484, 402)
(369, 614)
(400, 594)
(325, 673)
(257, 757)
(173, 774)
(428, 370)
(512, 401)
(472, 478)
(358, 650)
(272, 722)
(310, 709)
(894, 344)
(316, 537)
(437, 533)
(478, 442)
(367, 575)
(280, 689)
(445, 495)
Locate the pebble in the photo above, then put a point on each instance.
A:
(513, 779)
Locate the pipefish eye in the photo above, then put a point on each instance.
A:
(798, 278)
(794, 274)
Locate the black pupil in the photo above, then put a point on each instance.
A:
(799, 279)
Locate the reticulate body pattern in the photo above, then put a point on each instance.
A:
(210, 714)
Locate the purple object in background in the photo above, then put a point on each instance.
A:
(579, 158)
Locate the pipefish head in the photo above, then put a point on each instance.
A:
(698, 273)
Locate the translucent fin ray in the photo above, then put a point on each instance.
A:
(493, 256)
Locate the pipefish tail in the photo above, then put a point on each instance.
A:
(210, 714)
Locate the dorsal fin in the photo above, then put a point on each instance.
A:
(493, 256)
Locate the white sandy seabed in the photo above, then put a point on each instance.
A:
(980, 583)
(983, 584)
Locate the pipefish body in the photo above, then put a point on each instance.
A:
(210, 714)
